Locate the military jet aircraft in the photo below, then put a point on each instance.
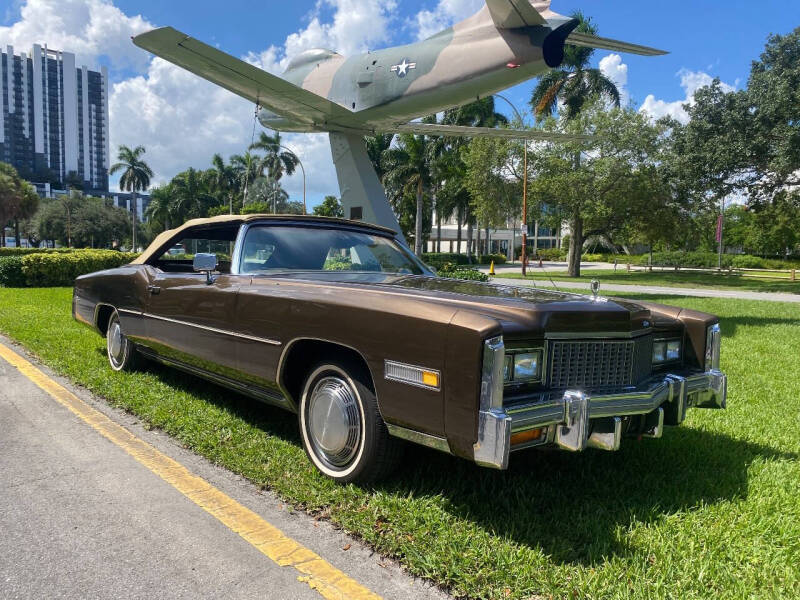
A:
(505, 43)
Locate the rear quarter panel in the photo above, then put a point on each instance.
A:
(121, 288)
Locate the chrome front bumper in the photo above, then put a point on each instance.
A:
(577, 420)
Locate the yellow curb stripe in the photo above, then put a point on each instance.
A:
(317, 573)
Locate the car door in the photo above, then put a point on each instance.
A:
(190, 318)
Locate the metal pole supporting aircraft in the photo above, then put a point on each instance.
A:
(505, 43)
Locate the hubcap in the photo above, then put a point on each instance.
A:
(334, 423)
(115, 342)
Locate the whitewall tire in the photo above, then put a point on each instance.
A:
(122, 354)
(341, 427)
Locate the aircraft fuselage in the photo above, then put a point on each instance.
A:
(470, 60)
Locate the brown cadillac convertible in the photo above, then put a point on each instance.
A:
(339, 322)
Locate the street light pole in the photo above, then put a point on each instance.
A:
(524, 256)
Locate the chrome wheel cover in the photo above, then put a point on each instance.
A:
(115, 342)
(334, 421)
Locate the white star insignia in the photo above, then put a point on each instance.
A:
(403, 68)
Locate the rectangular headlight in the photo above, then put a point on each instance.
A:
(528, 366)
(523, 366)
(666, 351)
(673, 350)
(659, 352)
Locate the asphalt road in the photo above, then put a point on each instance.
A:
(81, 518)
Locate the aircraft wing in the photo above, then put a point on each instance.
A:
(239, 77)
(511, 14)
(464, 131)
(593, 41)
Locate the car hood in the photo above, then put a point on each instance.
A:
(519, 309)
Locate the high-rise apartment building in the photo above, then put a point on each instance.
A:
(54, 123)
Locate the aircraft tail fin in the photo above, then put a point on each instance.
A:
(511, 14)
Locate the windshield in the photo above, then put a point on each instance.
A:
(272, 248)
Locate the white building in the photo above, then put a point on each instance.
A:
(500, 240)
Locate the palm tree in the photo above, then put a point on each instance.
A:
(245, 166)
(160, 208)
(277, 159)
(190, 195)
(222, 179)
(575, 82)
(480, 113)
(376, 145)
(408, 168)
(136, 175)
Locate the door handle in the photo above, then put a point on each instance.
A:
(154, 289)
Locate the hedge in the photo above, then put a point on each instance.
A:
(438, 259)
(710, 260)
(51, 269)
(12, 251)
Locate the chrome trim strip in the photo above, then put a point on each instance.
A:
(387, 363)
(262, 394)
(135, 313)
(252, 338)
(610, 335)
(417, 437)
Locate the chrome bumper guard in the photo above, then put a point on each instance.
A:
(578, 420)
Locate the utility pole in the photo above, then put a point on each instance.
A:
(525, 211)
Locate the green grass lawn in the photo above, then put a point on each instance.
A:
(710, 510)
(665, 278)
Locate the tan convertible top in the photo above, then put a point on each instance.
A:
(165, 236)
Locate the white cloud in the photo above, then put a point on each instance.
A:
(691, 81)
(617, 71)
(89, 28)
(447, 12)
(182, 120)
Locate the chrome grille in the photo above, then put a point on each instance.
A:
(593, 364)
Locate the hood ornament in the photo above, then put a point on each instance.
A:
(595, 286)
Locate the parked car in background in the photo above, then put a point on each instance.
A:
(339, 322)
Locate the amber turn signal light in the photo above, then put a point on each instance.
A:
(524, 437)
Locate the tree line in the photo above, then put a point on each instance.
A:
(635, 183)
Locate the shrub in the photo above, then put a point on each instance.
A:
(452, 271)
(11, 274)
(499, 259)
(556, 254)
(438, 259)
(46, 269)
(745, 261)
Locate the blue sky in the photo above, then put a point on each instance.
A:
(182, 122)
(718, 37)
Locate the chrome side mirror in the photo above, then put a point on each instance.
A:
(205, 263)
